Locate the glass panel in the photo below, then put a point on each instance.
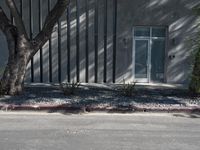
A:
(158, 32)
(141, 55)
(142, 31)
(157, 60)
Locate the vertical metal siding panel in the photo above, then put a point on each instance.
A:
(21, 8)
(41, 49)
(105, 39)
(77, 41)
(31, 36)
(87, 42)
(59, 52)
(91, 41)
(68, 44)
(96, 40)
(50, 49)
(11, 18)
(54, 49)
(114, 38)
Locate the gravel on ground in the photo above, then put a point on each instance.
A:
(104, 96)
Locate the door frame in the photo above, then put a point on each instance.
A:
(148, 79)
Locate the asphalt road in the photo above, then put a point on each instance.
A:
(42, 131)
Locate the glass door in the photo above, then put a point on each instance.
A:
(141, 70)
(157, 60)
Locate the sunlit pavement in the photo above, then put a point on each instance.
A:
(140, 131)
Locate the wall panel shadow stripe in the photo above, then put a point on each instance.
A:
(96, 27)
(77, 40)
(31, 36)
(59, 52)
(68, 43)
(41, 49)
(50, 49)
(114, 38)
(87, 41)
(21, 8)
(11, 18)
(105, 39)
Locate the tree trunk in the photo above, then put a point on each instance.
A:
(19, 55)
(12, 81)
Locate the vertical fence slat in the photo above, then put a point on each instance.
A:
(68, 43)
(105, 38)
(21, 8)
(59, 52)
(31, 36)
(50, 49)
(41, 49)
(77, 40)
(30, 19)
(114, 38)
(11, 18)
(96, 27)
(87, 42)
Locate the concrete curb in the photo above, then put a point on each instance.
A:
(108, 109)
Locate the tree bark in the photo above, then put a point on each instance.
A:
(21, 47)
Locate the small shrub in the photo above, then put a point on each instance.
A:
(128, 89)
(195, 81)
(194, 85)
(70, 88)
(1, 90)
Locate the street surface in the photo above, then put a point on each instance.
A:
(45, 131)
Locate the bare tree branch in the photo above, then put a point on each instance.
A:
(49, 24)
(18, 20)
(8, 29)
(4, 21)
